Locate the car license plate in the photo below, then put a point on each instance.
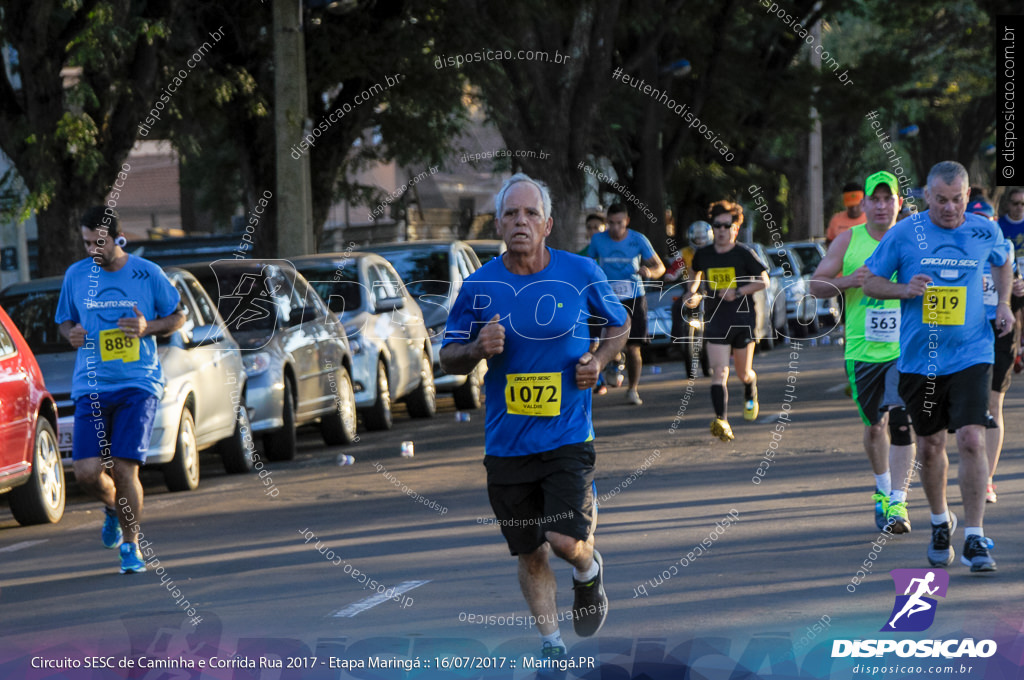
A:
(65, 439)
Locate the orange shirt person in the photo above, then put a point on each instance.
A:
(851, 217)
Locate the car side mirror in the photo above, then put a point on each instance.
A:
(206, 335)
(388, 304)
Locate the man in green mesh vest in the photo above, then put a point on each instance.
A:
(872, 347)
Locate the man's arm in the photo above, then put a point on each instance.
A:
(827, 277)
(884, 289)
(1002, 277)
(613, 339)
(651, 267)
(139, 327)
(460, 358)
(167, 324)
(73, 332)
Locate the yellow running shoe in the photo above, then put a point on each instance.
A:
(750, 409)
(720, 428)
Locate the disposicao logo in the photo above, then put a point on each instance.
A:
(914, 610)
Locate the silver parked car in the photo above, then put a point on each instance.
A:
(801, 306)
(811, 254)
(296, 355)
(391, 353)
(433, 272)
(202, 366)
(772, 321)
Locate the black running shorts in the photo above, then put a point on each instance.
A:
(549, 491)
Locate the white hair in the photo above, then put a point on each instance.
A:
(545, 195)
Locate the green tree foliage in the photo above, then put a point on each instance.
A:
(370, 63)
(84, 73)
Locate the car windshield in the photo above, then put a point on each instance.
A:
(425, 272)
(810, 256)
(339, 287)
(33, 314)
(249, 303)
(779, 259)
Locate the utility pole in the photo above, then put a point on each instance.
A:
(294, 199)
(815, 188)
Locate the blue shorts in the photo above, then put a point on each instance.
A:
(118, 424)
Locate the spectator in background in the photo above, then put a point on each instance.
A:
(853, 194)
(1012, 220)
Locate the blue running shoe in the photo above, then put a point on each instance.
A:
(131, 559)
(112, 535)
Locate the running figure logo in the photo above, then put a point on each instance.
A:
(914, 611)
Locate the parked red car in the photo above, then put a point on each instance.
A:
(30, 466)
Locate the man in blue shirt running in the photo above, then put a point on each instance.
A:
(627, 258)
(526, 313)
(946, 345)
(111, 307)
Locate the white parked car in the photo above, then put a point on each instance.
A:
(391, 352)
(202, 365)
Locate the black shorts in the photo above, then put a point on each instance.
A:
(549, 491)
(637, 310)
(736, 337)
(1006, 352)
(874, 387)
(947, 402)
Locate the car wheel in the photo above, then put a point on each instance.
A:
(281, 444)
(467, 395)
(378, 416)
(41, 499)
(237, 450)
(422, 403)
(338, 428)
(182, 473)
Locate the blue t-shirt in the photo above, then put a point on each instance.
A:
(621, 260)
(545, 317)
(952, 333)
(1014, 233)
(96, 299)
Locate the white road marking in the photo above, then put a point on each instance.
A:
(769, 419)
(837, 388)
(361, 606)
(23, 544)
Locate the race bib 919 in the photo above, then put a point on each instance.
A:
(945, 305)
(533, 394)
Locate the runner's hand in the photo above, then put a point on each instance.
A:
(916, 286)
(76, 336)
(133, 326)
(857, 277)
(491, 340)
(1004, 319)
(587, 371)
(692, 300)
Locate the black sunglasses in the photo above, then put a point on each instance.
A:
(721, 225)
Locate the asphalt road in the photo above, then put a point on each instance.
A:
(769, 596)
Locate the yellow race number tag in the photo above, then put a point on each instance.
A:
(533, 394)
(114, 345)
(945, 305)
(722, 278)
